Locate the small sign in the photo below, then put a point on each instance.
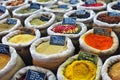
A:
(57, 40)
(88, 2)
(35, 6)
(44, 17)
(81, 12)
(87, 56)
(35, 75)
(119, 3)
(73, 1)
(26, 31)
(116, 14)
(2, 9)
(11, 21)
(102, 31)
(4, 49)
(70, 21)
(63, 6)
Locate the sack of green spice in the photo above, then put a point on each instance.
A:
(41, 21)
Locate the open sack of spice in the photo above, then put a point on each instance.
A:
(83, 66)
(59, 10)
(81, 15)
(114, 6)
(13, 4)
(68, 27)
(26, 10)
(100, 41)
(34, 73)
(49, 52)
(4, 13)
(92, 5)
(111, 68)
(46, 2)
(10, 62)
(8, 25)
(21, 40)
(41, 21)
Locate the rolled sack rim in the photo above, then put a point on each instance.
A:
(100, 23)
(82, 31)
(111, 60)
(109, 51)
(9, 35)
(51, 57)
(47, 24)
(60, 72)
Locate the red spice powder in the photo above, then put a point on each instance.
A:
(98, 41)
(93, 5)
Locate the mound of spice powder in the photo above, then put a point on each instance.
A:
(98, 41)
(115, 7)
(93, 5)
(109, 19)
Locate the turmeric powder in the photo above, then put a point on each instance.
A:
(98, 41)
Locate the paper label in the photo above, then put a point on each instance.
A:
(114, 14)
(63, 6)
(70, 21)
(57, 40)
(35, 75)
(102, 31)
(81, 12)
(2, 9)
(34, 6)
(44, 17)
(11, 21)
(119, 3)
(4, 49)
(87, 56)
(88, 2)
(73, 1)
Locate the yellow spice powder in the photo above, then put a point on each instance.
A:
(81, 70)
(21, 38)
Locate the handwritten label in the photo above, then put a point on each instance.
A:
(63, 6)
(34, 6)
(57, 40)
(11, 21)
(70, 21)
(4, 49)
(87, 56)
(2, 9)
(35, 75)
(102, 31)
(114, 14)
(44, 17)
(80, 12)
(118, 3)
(73, 1)
(88, 2)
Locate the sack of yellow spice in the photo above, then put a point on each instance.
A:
(10, 62)
(83, 66)
(99, 44)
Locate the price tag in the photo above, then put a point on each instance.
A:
(35, 75)
(57, 40)
(4, 49)
(70, 21)
(44, 17)
(87, 56)
(114, 14)
(73, 1)
(81, 12)
(26, 31)
(63, 6)
(88, 2)
(11, 21)
(102, 31)
(35, 6)
(2, 9)
(118, 3)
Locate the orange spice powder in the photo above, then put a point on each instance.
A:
(98, 41)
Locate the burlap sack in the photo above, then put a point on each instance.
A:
(60, 72)
(50, 61)
(23, 71)
(12, 66)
